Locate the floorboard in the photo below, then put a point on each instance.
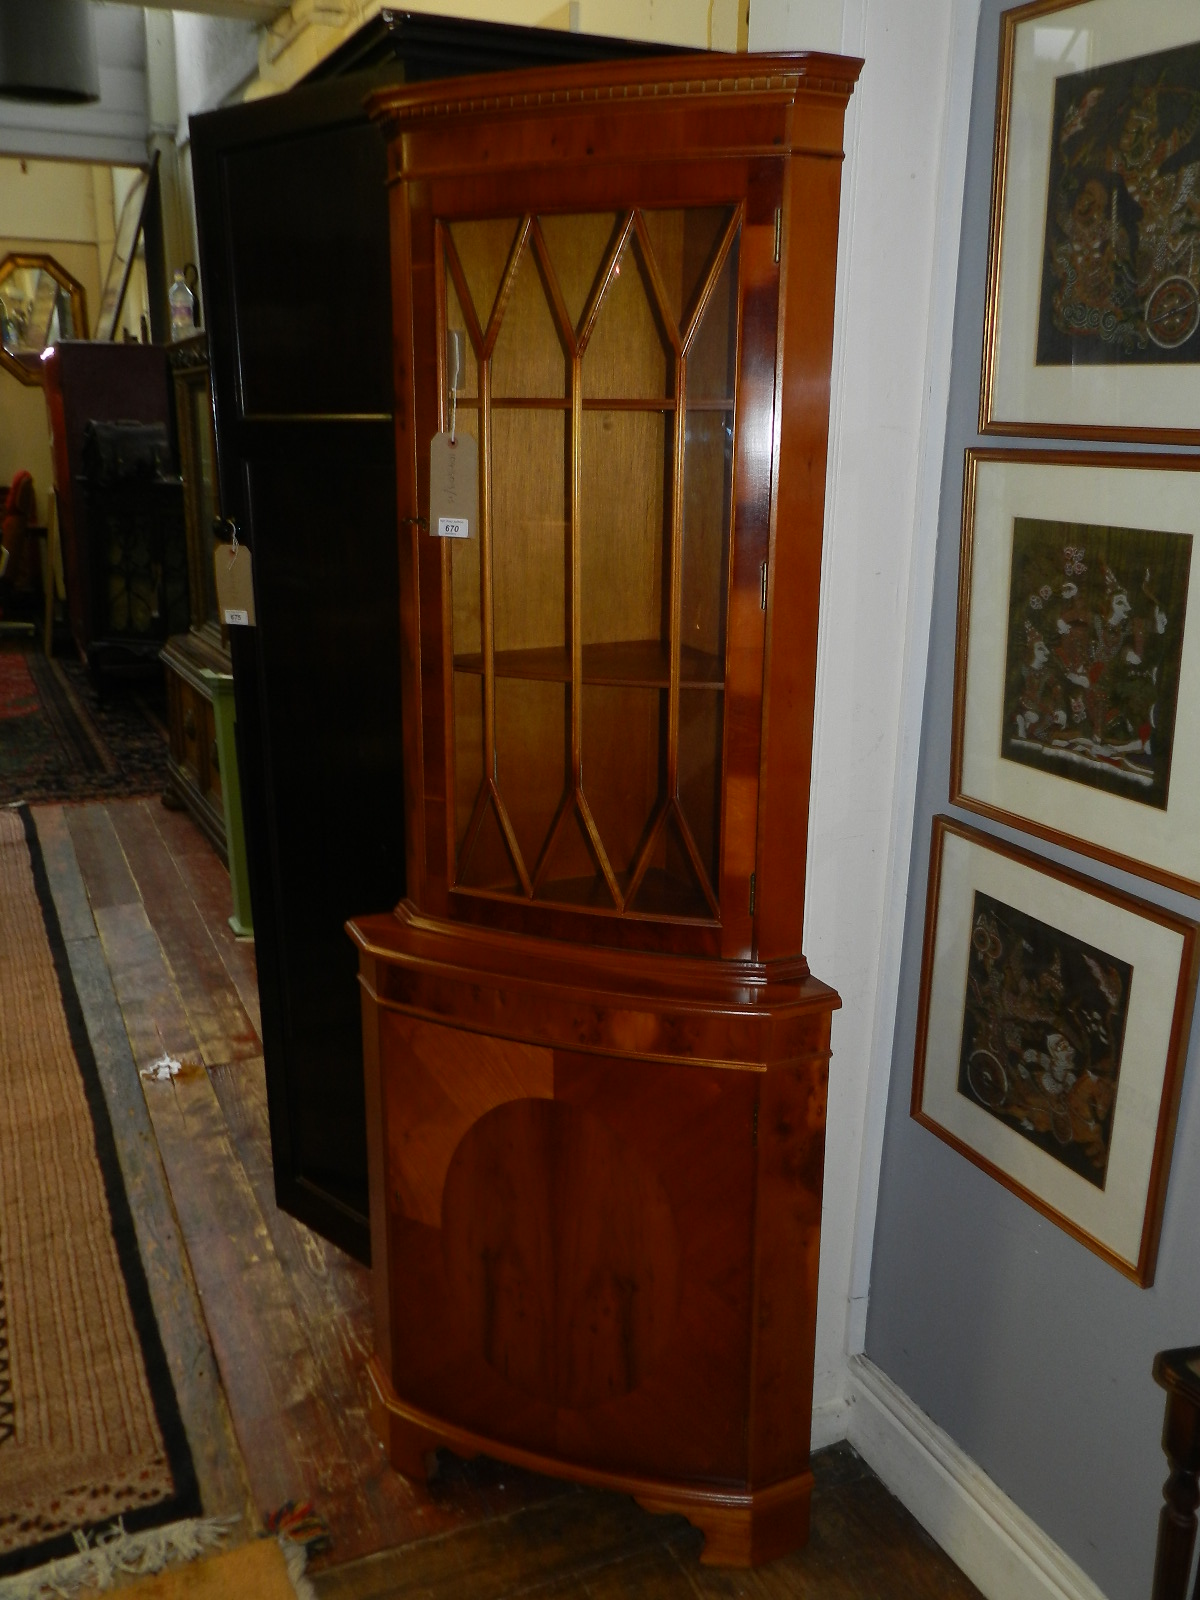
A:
(282, 1318)
(105, 871)
(863, 1546)
(215, 1014)
(207, 881)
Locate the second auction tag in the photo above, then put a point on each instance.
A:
(453, 486)
(235, 585)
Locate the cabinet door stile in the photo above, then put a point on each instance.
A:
(575, 615)
(676, 576)
(757, 325)
(441, 264)
(412, 492)
(810, 217)
(486, 613)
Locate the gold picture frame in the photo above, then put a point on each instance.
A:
(1051, 1035)
(1077, 658)
(1092, 321)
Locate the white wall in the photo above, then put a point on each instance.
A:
(214, 58)
(797, 25)
(891, 359)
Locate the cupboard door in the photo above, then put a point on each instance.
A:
(576, 1231)
(305, 442)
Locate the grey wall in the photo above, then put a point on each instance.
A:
(115, 127)
(1031, 1352)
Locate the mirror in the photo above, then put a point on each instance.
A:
(40, 302)
(129, 253)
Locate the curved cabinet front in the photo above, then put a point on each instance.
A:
(596, 1249)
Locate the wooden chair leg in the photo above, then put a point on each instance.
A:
(52, 572)
(1181, 1494)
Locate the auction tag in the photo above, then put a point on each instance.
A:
(235, 585)
(453, 486)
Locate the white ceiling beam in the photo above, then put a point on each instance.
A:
(242, 10)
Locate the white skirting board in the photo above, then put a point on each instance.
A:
(1001, 1550)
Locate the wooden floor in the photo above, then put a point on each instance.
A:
(267, 1326)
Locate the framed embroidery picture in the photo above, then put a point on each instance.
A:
(1051, 1036)
(1092, 325)
(1077, 676)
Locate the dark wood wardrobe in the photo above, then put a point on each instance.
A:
(292, 214)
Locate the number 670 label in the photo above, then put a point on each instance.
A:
(453, 485)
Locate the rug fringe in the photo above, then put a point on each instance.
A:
(296, 1556)
(112, 1556)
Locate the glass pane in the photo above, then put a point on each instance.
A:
(707, 508)
(533, 745)
(531, 542)
(200, 467)
(684, 245)
(484, 247)
(464, 579)
(204, 489)
(624, 516)
(468, 381)
(63, 326)
(572, 876)
(670, 886)
(468, 750)
(701, 729)
(487, 864)
(629, 354)
(712, 353)
(624, 767)
(530, 357)
(29, 304)
(579, 246)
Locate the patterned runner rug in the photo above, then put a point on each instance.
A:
(90, 1430)
(61, 740)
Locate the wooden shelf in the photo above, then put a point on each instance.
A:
(638, 663)
(658, 895)
(470, 402)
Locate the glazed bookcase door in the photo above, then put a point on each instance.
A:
(588, 619)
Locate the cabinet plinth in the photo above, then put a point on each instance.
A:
(596, 1061)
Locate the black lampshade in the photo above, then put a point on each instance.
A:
(48, 51)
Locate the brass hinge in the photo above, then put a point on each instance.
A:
(762, 587)
(751, 894)
(754, 1129)
(778, 232)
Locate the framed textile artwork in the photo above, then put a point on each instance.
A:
(1051, 1035)
(1077, 676)
(1093, 304)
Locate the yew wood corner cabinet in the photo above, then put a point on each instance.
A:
(596, 1061)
